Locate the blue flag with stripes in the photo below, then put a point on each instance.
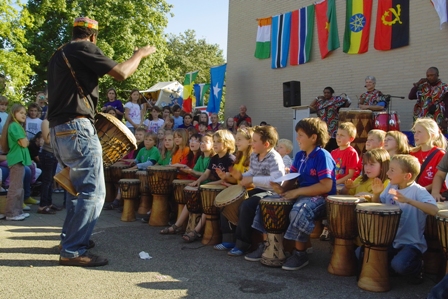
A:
(281, 31)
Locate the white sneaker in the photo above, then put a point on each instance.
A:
(2, 216)
(26, 215)
(16, 218)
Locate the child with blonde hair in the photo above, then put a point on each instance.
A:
(345, 156)
(284, 148)
(396, 143)
(180, 150)
(429, 149)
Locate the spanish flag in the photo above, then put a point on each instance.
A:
(392, 24)
(357, 26)
(327, 26)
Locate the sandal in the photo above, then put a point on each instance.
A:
(171, 230)
(55, 207)
(46, 210)
(191, 236)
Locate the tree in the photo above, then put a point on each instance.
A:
(15, 63)
(190, 54)
(123, 25)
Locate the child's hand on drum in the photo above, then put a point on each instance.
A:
(349, 184)
(377, 186)
(194, 184)
(277, 188)
(397, 196)
(220, 173)
(289, 195)
(237, 175)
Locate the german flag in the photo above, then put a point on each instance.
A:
(392, 24)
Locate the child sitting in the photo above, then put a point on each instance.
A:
(33, 122)
(149, 155)
(345, 156)
(316, 181)
(156, 123)
(375, 139)
(284, 148)
(415, 203)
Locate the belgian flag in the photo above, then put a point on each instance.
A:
(392, 24)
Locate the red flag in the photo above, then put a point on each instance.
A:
(327, 27)
(392, 24)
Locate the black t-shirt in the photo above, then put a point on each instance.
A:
(89, 64)
(223, 163)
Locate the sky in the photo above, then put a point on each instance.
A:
(208, 18)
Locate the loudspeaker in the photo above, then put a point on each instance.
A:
(291, 94)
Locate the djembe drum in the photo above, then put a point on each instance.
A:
(116, 141)
(194, 205)
(442, 225)
(342, 224)
(129, 192)
(275, 213)
(128, 173)
(110, 187)
(229, 201)
(212, 232)
(145, 195)
(179, 198)
(160, 179)
(362, 119)
(433, 255)
(377, 226)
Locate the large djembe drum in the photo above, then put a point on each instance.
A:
(229, 201)
(128, 173)
(160, 179)
(362, 119)
(442, 225)
(116, 141)
(129, 192)
(433, 254)
(275, 213)
(145, 195)
(212, 231)
(342, 224)
(179, 198)
(377, 227)
(110, 187)
(194, 206)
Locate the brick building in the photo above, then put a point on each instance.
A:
(254, 83)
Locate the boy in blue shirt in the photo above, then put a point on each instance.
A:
(317, 180)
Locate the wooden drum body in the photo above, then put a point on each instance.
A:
(212, 232)
(193, 199)
(362, 119)
(129, 192)
(377, 226)
(342, 224)
(229, 201)
(275, 213)
(179, 198)
(128, 173)
(110, 187)
(145, 195)
(442, 225)
(434, 254)
(160, 179)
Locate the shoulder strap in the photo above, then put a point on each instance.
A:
(425, 163)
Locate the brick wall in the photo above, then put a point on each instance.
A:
(254, 83)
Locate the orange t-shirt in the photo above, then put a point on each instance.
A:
(178, 157)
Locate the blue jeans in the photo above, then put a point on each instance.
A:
(48, 163)
(77, 146)
(406, 260)
(440, 290)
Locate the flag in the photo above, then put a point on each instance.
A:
(187, 104)
(327, 27)
(199, 92)
(217, 75)
(263, 46)
(392, 24)
(441, 8)
(281, 29)
(357, 26)
(302, 29)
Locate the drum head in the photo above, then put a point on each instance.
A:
(161, 168)
(182, 182)
(129, 170)
(442, 215)
(377, 207)
(129, 181)
(141, 172)
(344, 199)
(212, 187)
(276, 201)
(119, 165)
(229, 195)
(191, 189)
(442, 205)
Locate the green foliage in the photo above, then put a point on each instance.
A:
(15, 63)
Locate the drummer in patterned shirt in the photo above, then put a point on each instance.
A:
(372, 99)
(431, 95)
(327, 109)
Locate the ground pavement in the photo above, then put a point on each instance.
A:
(29, 267)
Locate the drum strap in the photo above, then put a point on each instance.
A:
(425, 163)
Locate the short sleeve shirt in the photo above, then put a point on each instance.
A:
(345, 160)
(17, 153)
(117, 104)
(223, 163)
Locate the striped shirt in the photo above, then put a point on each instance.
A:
(268, 169)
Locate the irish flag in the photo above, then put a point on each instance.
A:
(302, 28)
(263, 47)
(357, 26)
(187, 105)
(327, 27)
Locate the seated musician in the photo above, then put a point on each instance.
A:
(317, 180)
(372, 99)
(415, 203)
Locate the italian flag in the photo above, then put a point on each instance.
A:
(327, 27)
(188, 96)
(357, 26)
(263, 47)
